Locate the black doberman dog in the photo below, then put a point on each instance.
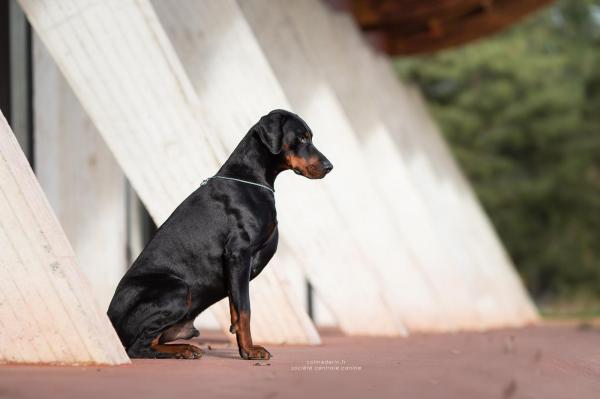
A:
(214, 243)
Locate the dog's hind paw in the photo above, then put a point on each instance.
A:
(189, 352)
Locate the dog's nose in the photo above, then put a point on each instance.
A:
(327, 166)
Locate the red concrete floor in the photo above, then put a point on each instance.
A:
(551, 361)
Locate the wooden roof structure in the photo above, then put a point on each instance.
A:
(407, 27)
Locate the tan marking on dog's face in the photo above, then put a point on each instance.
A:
(299, 153)
(307, 167)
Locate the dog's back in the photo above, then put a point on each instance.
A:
(185, 253)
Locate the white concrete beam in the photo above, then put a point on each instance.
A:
(47, 312)
(83, 182)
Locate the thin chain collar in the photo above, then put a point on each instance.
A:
(240, 180)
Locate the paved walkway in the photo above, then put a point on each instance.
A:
(551, 361)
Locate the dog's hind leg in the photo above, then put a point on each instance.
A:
(164, 318)
(183, 330)
(178, 351)
(155, 350)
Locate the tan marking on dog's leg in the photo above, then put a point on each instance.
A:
(182, 330)
(180, 351)
(234, 316)
(244, 339)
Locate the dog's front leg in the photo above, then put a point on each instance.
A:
(239, 306)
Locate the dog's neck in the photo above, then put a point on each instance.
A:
(253, 162)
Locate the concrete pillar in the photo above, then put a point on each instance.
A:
(47, 312)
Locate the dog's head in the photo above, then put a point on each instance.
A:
(287, 136)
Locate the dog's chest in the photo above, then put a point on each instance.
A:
(265, 252)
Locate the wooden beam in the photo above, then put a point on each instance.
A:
(457, 31)
(420, 26)
(408, 13)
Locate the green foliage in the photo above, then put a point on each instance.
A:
(521, 111)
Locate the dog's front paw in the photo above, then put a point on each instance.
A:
(255, 353)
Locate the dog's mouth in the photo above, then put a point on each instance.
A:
(310, 168)
(313, 172)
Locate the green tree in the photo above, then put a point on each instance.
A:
(521, 111)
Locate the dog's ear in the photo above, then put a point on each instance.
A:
(270, 130)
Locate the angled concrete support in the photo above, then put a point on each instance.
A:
(47, 312)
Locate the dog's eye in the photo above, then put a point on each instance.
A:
(304, 139)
